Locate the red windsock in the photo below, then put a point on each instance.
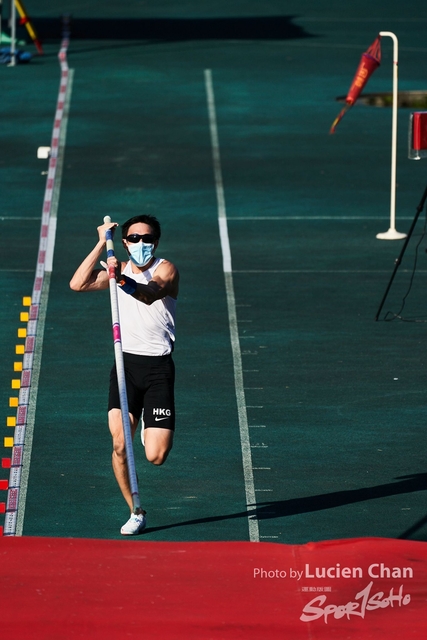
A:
(369, 61)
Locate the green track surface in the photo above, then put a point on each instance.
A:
(341, 449)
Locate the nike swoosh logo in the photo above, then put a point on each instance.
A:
(157, 419)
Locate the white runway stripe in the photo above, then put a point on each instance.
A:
(23, 438)
(302, 218)
(325, 271)
(20, 218)
(232, 317)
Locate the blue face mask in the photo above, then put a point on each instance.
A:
(140, 253)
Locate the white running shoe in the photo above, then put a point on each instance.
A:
(134, 525)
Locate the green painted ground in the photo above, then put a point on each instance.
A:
(338, 443)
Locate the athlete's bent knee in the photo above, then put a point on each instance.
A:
(157, 455)
(158, 443)
(157, 458)
(119, 448)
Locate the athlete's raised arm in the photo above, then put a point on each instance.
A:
(86, 277)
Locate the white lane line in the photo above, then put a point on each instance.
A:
(43, 274)
(350, 271)
(58, 174)
(17, 270)
(32, 405)
(302, 218)
(232, 316)
(19, 218)
(50, 244)
(362, 20)
(324, 45)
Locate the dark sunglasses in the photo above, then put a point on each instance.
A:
(148, 238)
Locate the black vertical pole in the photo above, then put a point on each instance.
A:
(399, 259)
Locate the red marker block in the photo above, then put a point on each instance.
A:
(417, 135)
(4, 485)
(420, 131)
(6, 463)
(2, 507)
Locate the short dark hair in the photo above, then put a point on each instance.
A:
(146, 219)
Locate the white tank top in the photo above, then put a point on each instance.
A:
(146, 330)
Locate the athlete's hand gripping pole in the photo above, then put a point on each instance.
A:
(121, 373)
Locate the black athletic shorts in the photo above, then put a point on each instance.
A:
(150, 387)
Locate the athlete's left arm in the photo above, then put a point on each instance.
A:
(165, 282)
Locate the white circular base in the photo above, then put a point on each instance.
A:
(391, 234)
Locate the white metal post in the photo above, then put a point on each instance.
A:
(12, 34)
(392, 234)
